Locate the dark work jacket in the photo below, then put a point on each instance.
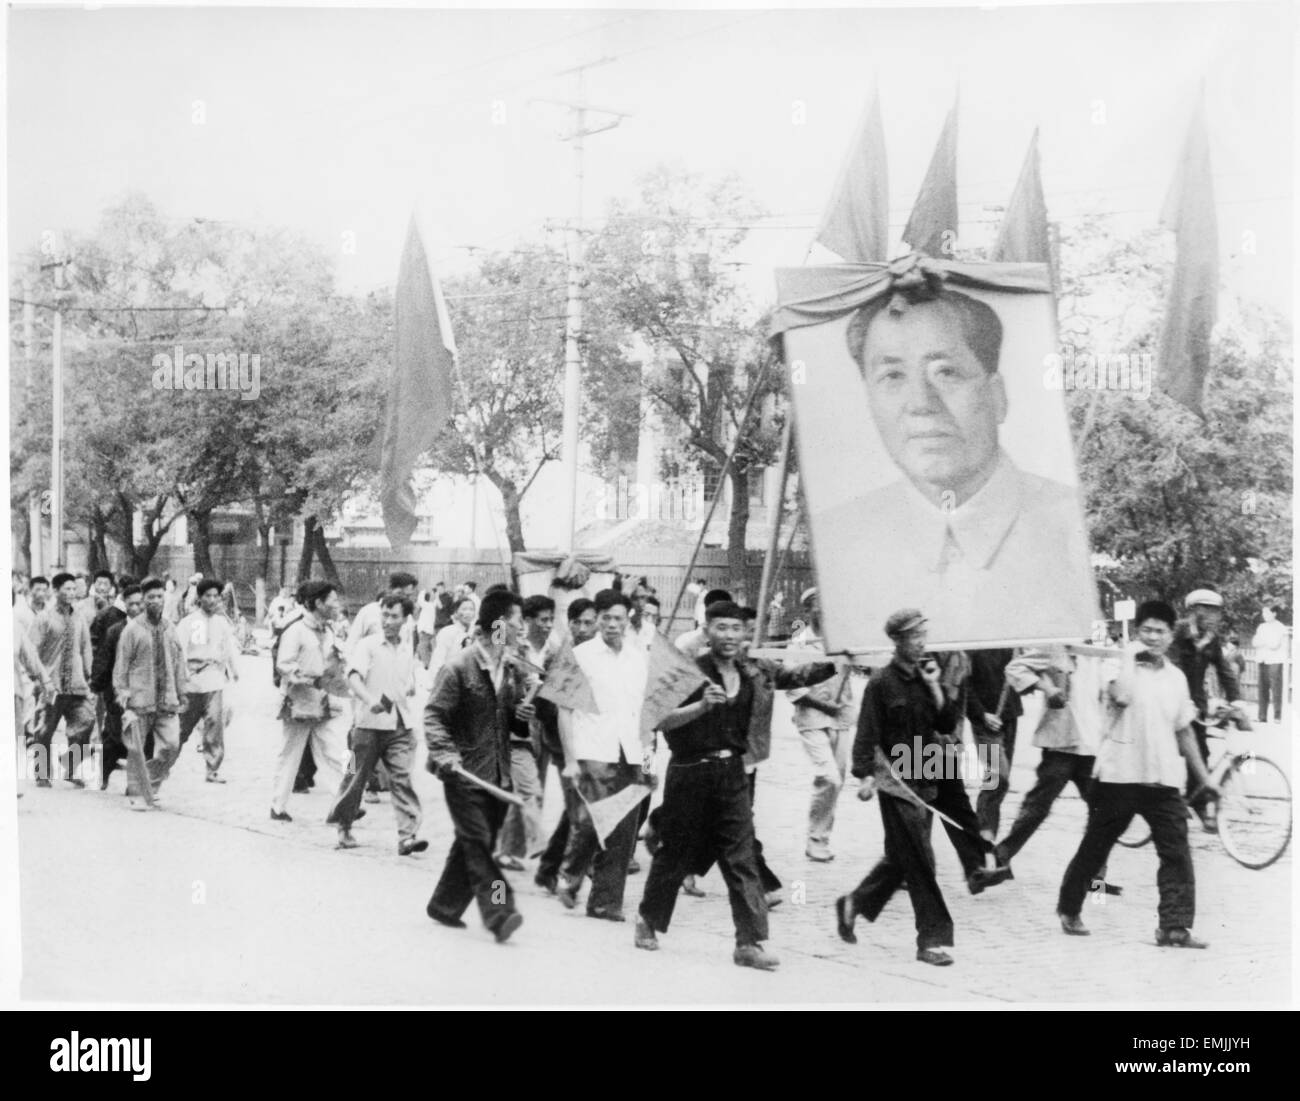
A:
(984, 687)
(99, 627)
(466, 721)
(1194, 663)
(765, 678)
(101, 671)
(897, 709)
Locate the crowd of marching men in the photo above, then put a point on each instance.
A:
(501, 691)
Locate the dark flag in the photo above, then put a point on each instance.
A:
(1192, 304)
(419, 392)
(932, 226)
(1023, 236)
(856, 222)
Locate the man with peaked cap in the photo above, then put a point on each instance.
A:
(905, 709)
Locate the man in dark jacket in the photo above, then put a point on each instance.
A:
(993, 710)
(905, 715)
(467, 727)
(707, 814)
(1197, 646)
(108, 625)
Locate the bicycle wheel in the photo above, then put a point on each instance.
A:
(1255, 813)
(1136, 834)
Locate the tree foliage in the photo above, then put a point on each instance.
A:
(1177, 502)
(665, 266)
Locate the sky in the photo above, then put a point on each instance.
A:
(338, 123)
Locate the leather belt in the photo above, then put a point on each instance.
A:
(713, 755)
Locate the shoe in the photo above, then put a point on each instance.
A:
(510, 863)
(645, 936)
(444, 919)
(213, 778)
(774, 898)
(76, 783)
(753, 955)
(1112, 889)
(981, 878)
(136, 804)
(372, 797)
(346, 840)
(1073, 926)
(43, 784)
(361, 813)
(844, 915)
(633, 867)
(935, 956)
(819, 852)
(409, 845)
(568, 895)
(547, 883)
(1178, 938)
(607, 914)
(688, 887)
(301, 789)
(506, 926)
(280, 816)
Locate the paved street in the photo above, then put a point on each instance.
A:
(208, 900)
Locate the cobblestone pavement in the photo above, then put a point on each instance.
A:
(209, 900)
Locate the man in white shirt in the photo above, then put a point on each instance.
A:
(1140, 770)
(604, 753)
(1270, 643)
(310, 663)
(1068, 733)
(452, 638)
(208, 640)
(826, 717)
(367, 621)
(381, 674)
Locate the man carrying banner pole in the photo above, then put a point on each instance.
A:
(707, 814)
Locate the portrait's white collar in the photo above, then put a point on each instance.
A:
(977, 528)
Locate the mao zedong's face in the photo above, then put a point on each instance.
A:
(937, 409)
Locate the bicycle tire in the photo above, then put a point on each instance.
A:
(1255, 812)
(1136, 834)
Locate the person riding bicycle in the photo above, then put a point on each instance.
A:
(1198, 645)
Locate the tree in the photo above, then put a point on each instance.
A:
(1175, 501)
(664, 268)
(509, 322)
(142, 286)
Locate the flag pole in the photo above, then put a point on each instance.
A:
(774, 537)
(476, 443)
(666, 624)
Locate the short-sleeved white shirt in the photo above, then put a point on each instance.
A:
(1140, 745)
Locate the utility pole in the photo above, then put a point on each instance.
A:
(56, 443)
(573, 315)
(36, 545)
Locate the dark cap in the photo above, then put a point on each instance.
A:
(907, 619)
